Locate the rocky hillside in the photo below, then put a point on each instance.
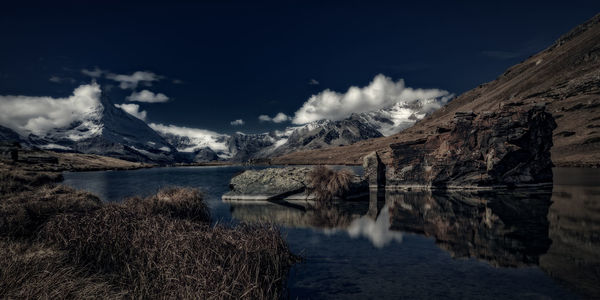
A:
(565, 77)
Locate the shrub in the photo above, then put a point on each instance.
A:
(326, 184)
(174, 202)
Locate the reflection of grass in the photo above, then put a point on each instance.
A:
(58, 242)
(325, 183)
(329, 217)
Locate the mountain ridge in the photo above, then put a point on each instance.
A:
(565, 77)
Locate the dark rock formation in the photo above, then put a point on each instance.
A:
(506, 148)
(374, 170)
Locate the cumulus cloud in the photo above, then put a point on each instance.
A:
(380, 93)
(95, 73)
(132, 81)
(313, 82)
(58, 79)
(238, 122)
(38, 115)
(278, 118)
(134, 110)
(148, 97)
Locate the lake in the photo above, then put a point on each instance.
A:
(523, 244)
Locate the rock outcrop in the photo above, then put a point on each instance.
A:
(271, 183)
(374, 170)
(289, 183)
(506, 148)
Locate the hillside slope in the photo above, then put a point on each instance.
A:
(565, 76)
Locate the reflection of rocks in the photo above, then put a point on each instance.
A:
(298, 213)
(354, 218)
(574, 257)
(505, 229)
(376, 230)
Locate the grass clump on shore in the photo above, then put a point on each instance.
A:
(174, 202)
(56, 242)
(326, 184)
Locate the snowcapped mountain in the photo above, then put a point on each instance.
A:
(88, 122)
(84, 122)
(391, 120)
(204, 145)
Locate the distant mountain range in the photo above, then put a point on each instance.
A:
(108, 130)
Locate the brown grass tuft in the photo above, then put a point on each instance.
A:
(175, 202)
(325, 183)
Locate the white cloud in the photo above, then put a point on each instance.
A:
(39, 115)
(95, 73)
(313, 82)
(278, 118)
(199, 138)
(148, 97)
(238, 122)
(134, 110)
(132, 81)
(380, 93)
(57, 79)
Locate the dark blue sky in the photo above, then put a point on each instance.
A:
(239, 60)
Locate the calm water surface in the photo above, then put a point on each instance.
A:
(535, 245)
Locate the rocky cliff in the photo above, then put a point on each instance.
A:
(509, 147)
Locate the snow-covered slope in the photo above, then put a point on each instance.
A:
(91, 123)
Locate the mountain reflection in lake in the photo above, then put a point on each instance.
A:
(536, 244)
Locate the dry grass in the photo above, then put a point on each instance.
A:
(60, 243)
(174, 202)
(22, 214)
(32, 270)
(16, 180)
(326, 184)
(153, 256)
